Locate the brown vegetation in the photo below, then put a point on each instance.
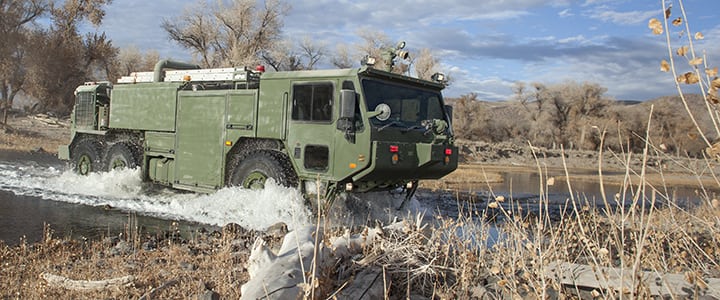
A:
(578, 116)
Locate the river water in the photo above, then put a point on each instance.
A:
(36, 192)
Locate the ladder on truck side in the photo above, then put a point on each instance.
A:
(237, 75)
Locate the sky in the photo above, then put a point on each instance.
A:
(484, 46)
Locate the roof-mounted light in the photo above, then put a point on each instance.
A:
(367, 61)
(439, 77)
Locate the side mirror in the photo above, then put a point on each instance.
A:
(346, 122)
(347, 104)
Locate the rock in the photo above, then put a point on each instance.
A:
(151, 244)
(122, 248)
(369, 283)
(188, 266)
(279, 229)
(209, 295)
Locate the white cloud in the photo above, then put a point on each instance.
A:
(622, 18)
(573, 39)
(565, 13)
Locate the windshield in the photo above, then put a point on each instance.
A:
(409, 106)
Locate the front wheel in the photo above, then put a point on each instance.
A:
(85, 157)
(255, 168)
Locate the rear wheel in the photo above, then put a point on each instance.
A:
(86, 157)
(254, 169)
(121, 156)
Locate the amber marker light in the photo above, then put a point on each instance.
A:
(448, 152)
(228, 143)
(353, 165)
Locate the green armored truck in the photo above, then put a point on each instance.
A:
(323, 131)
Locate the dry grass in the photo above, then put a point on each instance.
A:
(30, 133)
(162, 265)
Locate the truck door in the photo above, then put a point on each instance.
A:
(310, 132)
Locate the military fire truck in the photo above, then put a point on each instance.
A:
(322, 131)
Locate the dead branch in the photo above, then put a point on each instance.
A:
(86, 285)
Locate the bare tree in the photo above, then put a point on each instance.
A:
(58, 58)
(376, 44)
(281, 56)
(228, 35)
(14, 16)
(285, 56)
(131, 59)
(100, 57)
(311, 51)
(342, 58)
(425, 64)
(197, 30)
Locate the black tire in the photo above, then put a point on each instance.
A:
(85, 157)
(121, 156)
(254, 168)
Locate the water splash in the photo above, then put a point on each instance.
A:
(123, 189)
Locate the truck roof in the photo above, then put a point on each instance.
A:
(336, 73)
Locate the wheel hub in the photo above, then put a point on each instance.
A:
(84, 165)
(255, 180)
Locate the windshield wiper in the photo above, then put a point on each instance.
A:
(425, 124)
(392, 123)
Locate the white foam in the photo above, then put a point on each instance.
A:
(253, 209)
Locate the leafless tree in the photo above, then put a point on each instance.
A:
(14, 16)
(285, 56)
(131, 59)
(425, 64)
(58, 58)
(228, 35)
(282, 56)
(342, 58)
(312, 51)
(375, 44)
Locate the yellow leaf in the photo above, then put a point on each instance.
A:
(502, 282)
(711, 72)
(696, 61)
(713, 98)
(656, 26)
(699, 35)
(681, 79)
(688, 78)
(682, 50)
(667, 12)
(715, 83)
(664, 66)
(677, 22)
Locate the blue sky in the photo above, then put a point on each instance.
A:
(485, 46)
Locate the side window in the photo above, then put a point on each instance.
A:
(316, 158)
(312, 102)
